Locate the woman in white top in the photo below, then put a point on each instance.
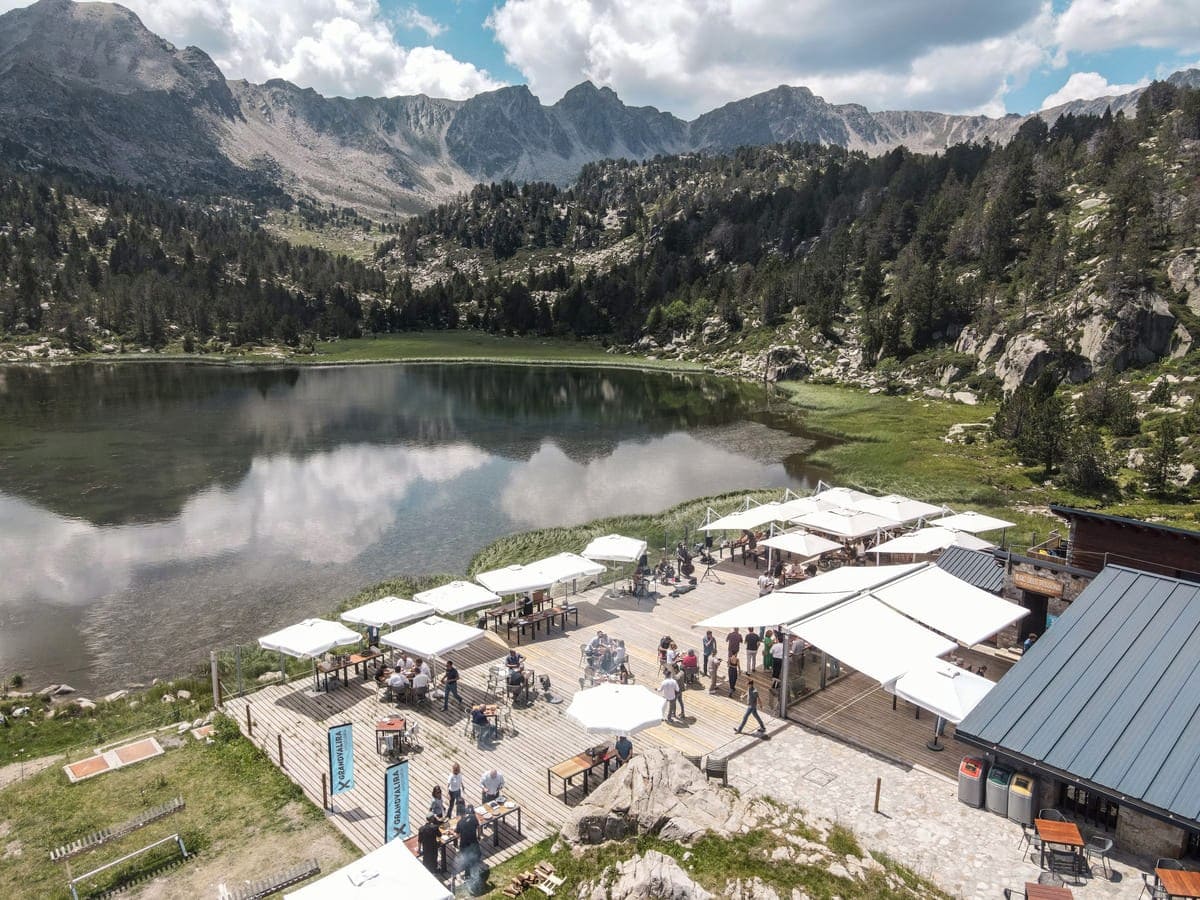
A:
(454, 787)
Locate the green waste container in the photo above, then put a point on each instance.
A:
(997, 790)
(1020, 799)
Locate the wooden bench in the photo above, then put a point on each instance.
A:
(273, 883)
(105, 835)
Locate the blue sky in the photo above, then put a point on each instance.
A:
(689, 56)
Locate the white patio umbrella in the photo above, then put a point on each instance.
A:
(942, 688)
(931, 539)
(802, 506)
(514, 579)
(973, 522)
(457, 597)
(564, 567)
(310, 638)
(432, 637)
(896, 507)
(801, 543)
(387, 612)
(615, 548)
(847, 524)
(616, 708)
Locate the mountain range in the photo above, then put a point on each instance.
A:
(88, 86)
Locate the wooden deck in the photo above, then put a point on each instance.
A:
(853, 708)
(544, 735)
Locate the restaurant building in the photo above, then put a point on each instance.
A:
(1104, 711)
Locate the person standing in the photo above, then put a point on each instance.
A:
(752, 642)
(733, 643)
(670, 691)
(469, 854)
(709, 648)
(437, 806)
(732, 672)
(752, 710)
(624, 749)
(777, 650)
(454, 789)
(450, 680)
(429, 839)
(492, 784)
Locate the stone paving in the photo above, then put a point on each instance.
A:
(969, 852)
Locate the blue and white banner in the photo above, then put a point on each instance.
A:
(341, 759)
(395, 801)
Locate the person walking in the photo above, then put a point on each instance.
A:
(709, 647)
(450, 682)
(752, 642)
(732, 669)
(752, 710)
(454, 789)
(670, 691)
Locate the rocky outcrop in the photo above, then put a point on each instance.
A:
(1184, 274)
(659, 792)
(1023, 360)
(653, 874)
(1127, 331)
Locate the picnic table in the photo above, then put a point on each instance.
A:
(1035, 891)
(395, 725)
(580, 764)
(1064, 834)
(1178, 882)
(547, 615)
(486, 815)
(343, 666)
(512, 609)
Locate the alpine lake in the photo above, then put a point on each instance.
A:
(150, 512)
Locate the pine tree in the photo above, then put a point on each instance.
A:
(1161, 466)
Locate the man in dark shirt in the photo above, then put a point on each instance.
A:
(752, 642)
(429, 840)
(450, 680)
(734, 642)
(468, 843)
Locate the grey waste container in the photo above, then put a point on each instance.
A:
(997, 790)
(970, 781)
(1020, 799)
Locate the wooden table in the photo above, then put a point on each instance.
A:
(1179, 883)
(579, 764)
(494, 814)
(511, 610)
(324, 669)
(547, 615)
(1035, 891)
(1065, 834)
(385, 727)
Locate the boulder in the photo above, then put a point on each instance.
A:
(49, 690)
(168, 698)
(85, 703)
(115, 696)
(1181, 343)
(63, 689)
(1184, 274)
(184, 695)
(750, 889)
(965, 397)
(1127, 331)
(652, 874)
(1023, 361)
(660, 792)
(268, 677)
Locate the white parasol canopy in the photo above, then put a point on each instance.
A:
(802, 506)
(934, 597)
(564, 567)
(386, 612)
(616, 708)
(771, 609)
(747, 518)
(615, 548)
(801, 543)
(897, 507)
(456, 597)
(943, 689)
(310, 638)
(847, 524)
(841, 496)
(848, 580)
(974, 522)
(432, 637)
(930, 540)
(543, 573)
(376, 876)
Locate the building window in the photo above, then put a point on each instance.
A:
(1090, 807)
(1193, 845)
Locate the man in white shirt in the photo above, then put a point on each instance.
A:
(492, 784)
(766, 584)
(420, 680)
(408, 663)
(397, 683)
(670, 691)
(425, 670)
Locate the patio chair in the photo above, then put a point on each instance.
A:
(1052, 814)
(583, 656)
(1053, 879)
(421, 695)
(1030, 840)
(1166, 863)
(412, 735)
(717, 768)
(1101, 846)
(1152, 888)
(1014, 894)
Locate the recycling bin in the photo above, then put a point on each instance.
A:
(1020, 799)
(970, 781)
(997, 790)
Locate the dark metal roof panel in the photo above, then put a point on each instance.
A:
(975, 567)
(1111, 693)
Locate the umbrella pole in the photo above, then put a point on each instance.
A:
(937, 729)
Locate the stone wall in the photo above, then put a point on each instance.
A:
(1072, 584)
(1140, 834)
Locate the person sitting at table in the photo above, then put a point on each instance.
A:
(514, 660)
(437, 806)
(425, 669)
(381, 673)
(624, 748)
(526, 606)
(516, 682)
(690, 665)
(407, 664)
(429, 839)
(397, 683)
(481, 721)
(492, 783)
(420, 684)
(593, 648)
(621, 661)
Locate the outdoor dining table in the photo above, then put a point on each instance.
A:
(496, 812)
(1035, 891)
(512, 609)
(547, 615)
(580, 764)
(1178, 882)
(1064, 834)
(395, 725)
(334, 667)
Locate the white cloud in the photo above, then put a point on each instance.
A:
(337, 47)
(690, 56)
(1097, 25)
(1088, 86)
(414, 18)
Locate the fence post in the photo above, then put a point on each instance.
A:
(878, 785)
(249, 723)
(324, 790)
(216, 680)
(237, 659)
(279, 738)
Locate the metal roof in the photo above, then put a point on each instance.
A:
(1109, 696)
(975, 567)
(1071, 512)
